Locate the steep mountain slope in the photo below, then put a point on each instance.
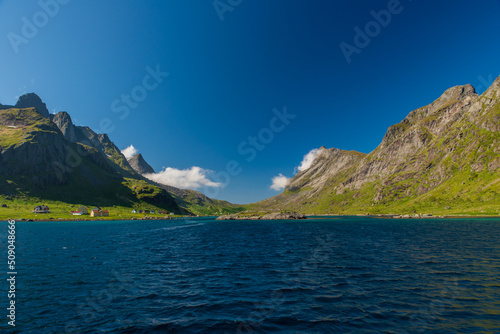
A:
(38, 161)
(86, 136)
(442, 158)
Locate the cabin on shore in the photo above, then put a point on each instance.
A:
(97, 212)
(133, 211)
(41, 209)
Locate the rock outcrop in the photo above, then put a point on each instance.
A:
(269, 216)
(140, 165)
(31, 100)
(65, 124)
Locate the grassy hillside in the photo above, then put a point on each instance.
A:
(22, 207)
(37, 164)
(443, 159)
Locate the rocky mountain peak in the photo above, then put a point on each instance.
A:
(62, 118)
(494, 90)
(454, 94)
(65, 124)
(140, 165)
(31, 100)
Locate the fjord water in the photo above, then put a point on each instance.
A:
(344, 275)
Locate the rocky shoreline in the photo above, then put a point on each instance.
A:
(269, 216)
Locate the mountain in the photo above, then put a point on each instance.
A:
(442, 158)
(46, 157)
(140, 165)
(86, 136)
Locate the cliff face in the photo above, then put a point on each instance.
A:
(87, 137)
(31, 146)
(65, 124)
(443, 155)
(401, 150)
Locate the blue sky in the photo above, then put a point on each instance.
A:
(225, 77)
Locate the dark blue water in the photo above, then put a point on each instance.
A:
(349, 275)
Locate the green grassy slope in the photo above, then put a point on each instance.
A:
(453, 167)
(30, 147)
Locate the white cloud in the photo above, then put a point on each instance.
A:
(279, 182)
(308, 159)
(129, 152)
(192, 178)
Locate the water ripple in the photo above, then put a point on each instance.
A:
(348, 275)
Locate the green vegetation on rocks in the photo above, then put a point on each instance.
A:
(442, 159)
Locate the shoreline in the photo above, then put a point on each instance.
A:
(414, 216)
(90, 219)
(309, 217)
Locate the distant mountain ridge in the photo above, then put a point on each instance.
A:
(442, 158)
(191, 200)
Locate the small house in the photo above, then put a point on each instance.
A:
(41, 209)
(152, 211)
(95, 213)
(77, 213)
(134, 211)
